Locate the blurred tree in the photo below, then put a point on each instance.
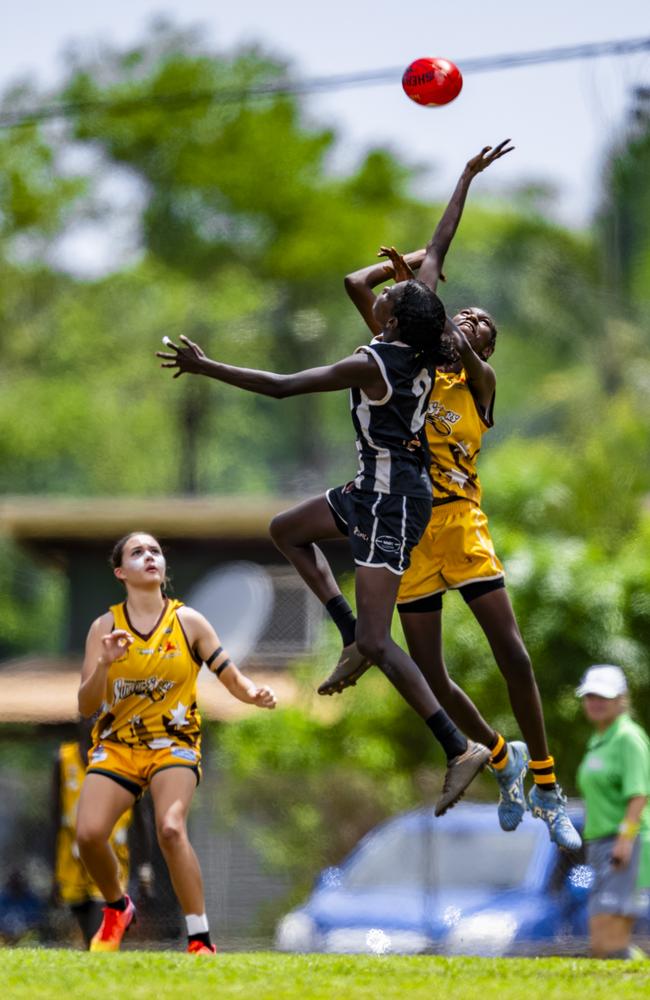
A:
(625, 214)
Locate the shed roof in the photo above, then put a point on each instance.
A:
(49, 519)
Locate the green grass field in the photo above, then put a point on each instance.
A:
(46, 973)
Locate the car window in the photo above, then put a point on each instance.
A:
(396, 856)
(416, 857)
(468, 859)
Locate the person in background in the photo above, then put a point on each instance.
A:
(72, 885)
(614, 780)
(21, 910)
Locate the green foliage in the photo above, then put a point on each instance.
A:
(32, 604)
(307, 787)
(245, 235)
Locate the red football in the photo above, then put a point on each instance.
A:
(432, 82)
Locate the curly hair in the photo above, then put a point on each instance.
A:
(421, 318)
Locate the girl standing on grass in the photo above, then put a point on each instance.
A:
(140, 669)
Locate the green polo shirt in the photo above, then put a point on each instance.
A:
(615, 769)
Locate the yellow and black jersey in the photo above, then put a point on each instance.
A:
(150, 698)
(455, 426)
(73, 881)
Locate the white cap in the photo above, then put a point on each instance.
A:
(603, 680)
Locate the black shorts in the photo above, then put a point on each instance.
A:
(383, 528)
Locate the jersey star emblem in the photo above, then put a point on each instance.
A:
(457, 477)
(179, 715)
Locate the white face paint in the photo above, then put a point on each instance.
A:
(143, 558)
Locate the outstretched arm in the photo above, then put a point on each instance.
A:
(440, 242)
(205, 642)
(359, 284)
(358, 370)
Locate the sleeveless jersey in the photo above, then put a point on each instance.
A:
(455, 427)
(73, 882)
(150, 698)
(392, 453)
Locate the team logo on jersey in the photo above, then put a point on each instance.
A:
(388, 544)
(441, 419)
(184, 753)
(98, 754)
(146, 687)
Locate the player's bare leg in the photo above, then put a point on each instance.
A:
(508, 761)
(376, 592)
(101, 803)
(295, 533)
(423, 633)
(172, 790)
(495, 615)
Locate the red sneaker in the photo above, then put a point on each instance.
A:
(113, 927)
(198, 948)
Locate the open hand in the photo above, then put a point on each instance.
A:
(399, 270)
(487, 156)
(188, 358)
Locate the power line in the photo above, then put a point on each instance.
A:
(317, 84)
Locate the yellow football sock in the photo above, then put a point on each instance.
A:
(543, 772)
(499, 755)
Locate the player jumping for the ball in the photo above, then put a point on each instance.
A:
(456, 550)
(386, 509)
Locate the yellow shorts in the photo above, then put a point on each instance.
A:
(455, 549)
(134, 767)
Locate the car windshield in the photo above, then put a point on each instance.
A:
(415, 856)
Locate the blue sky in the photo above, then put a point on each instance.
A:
(561, 117)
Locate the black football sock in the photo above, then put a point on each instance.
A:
(448, 735)
(342, 615)
(202, 936)
(119, 904)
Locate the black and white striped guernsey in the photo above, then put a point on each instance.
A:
(393, 457)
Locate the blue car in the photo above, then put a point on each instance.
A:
(457, 885)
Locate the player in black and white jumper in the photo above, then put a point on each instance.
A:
(385, 510)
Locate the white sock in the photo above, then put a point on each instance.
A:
(197, 923)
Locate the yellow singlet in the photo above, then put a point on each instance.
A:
(73, 881)
(455, 428)
(150, 698)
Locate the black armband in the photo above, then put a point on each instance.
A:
(220, 659)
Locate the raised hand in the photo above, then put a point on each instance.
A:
(115, 645)
(487, 156)
(188, 358)
(400, 270)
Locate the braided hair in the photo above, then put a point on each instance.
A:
(421, 318)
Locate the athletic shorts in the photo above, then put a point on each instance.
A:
(134, 767)
(456, 549)
(383, 528)
(614, 890)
